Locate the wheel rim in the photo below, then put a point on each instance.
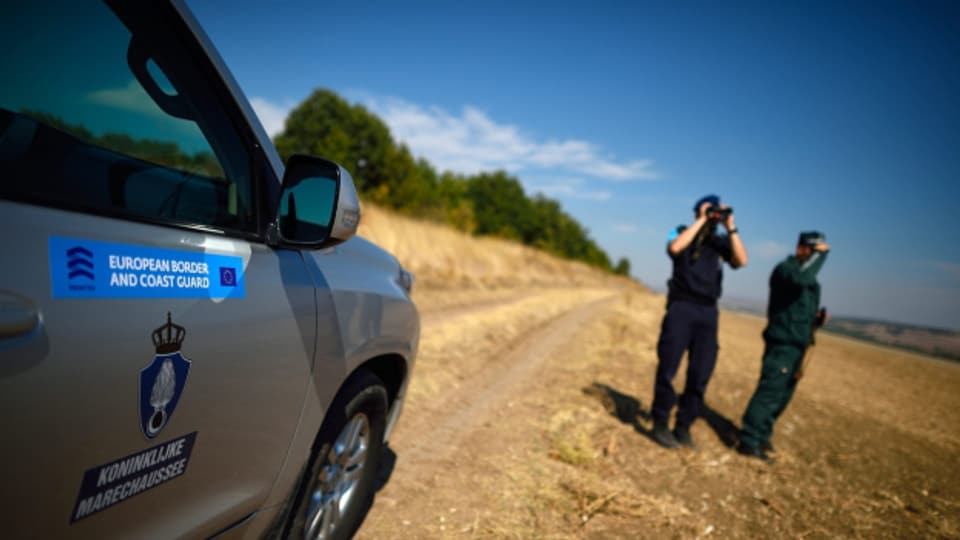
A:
(333, 489)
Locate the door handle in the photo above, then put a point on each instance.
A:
(18, 316)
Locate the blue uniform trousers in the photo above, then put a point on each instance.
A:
(687, 326)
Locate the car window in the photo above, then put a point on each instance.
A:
(99, 115)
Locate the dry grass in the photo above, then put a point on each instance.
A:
(444, 258)
(458, 346)
(570, 441)
(573, 481)
(867, 449)
(850, 465)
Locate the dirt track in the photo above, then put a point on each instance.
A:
(527, 419)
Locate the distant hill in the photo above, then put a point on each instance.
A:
(744, 305)
(932, 341)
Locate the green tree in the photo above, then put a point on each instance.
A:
(326, 125)
(457, 208)
(500, 206)
(623, 267)
(166, 153)
(489, 203)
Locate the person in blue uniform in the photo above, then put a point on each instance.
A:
(690, 324)
(793, 314)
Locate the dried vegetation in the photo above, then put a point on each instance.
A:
(868, 449)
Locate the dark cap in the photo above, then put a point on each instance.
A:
(712, 199)
(811, 238)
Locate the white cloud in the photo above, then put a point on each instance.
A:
(134, 98)
(769, 249)
(131, 97)
(570, 188)
(625, 228)
(273, 116)
(470, 142)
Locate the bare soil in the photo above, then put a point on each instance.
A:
(527, 417)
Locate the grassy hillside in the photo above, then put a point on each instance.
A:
(443, 258)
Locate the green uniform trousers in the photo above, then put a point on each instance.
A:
(777, 383)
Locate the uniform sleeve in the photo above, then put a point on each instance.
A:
(674, 233)
(796, 273)
(724, 247)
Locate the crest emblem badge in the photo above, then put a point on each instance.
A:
(163, 379)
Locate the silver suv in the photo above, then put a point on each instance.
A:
(192, 341)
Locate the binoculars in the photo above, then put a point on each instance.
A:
(717, 213)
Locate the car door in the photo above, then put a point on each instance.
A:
(154, 352)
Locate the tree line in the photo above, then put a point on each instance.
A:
(165, 153)
(386, 173)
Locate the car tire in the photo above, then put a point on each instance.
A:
(336, 489)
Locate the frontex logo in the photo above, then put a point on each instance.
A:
(80, 268)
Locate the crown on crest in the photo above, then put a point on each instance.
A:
(168, 338)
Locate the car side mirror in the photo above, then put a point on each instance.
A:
(318, 204)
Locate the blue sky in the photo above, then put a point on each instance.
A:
(842, 117)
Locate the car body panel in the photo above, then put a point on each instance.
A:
(375, 314)
(374, 317)
(250, 359)
(255, 371)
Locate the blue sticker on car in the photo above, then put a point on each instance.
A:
(162, 380)
(91, 269)
(111, 483)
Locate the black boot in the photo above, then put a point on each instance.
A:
(766, 446)
(754, 452)
(661, 434)
(682, 435)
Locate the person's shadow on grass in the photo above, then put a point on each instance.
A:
(623, 407)
(628, 410)
(726, 430)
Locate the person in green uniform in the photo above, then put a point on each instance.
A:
(793, 313)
